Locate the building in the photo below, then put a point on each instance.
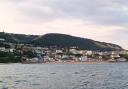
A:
(59, 51)
(32, 60)
(115, 55)
(83, 59)
(1, 39)
(11, 50)
(2, 49)
(89, 53)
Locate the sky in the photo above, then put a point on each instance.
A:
(101, 20)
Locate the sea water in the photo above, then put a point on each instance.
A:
(64, 76)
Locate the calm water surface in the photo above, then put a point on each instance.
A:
(64, 76)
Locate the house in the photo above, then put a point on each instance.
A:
(19, 46)
(38, 50)
(115, 55)
(2, 49)
(89, 53)
(65, 57)
(58, 57)
(72, 50)
(46, 58)
(11, 50)
(59, 51)
(83, 59)
(75, 51)
(1, 39)
(32, 60)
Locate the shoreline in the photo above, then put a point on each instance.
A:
(90, 62)
(87, 62)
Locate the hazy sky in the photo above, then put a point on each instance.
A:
(102, 20)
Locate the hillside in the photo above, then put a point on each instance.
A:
(17, 38)
(63, 40)
(60, 40)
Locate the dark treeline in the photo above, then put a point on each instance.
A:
(7, 57)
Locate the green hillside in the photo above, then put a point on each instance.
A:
(60, 40)
(63, 40)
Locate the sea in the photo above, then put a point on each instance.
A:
(64, 76)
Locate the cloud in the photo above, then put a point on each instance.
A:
(106, 12)
(104, 20)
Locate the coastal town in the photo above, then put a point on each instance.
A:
(27, 53)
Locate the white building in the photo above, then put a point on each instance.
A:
(59, 51)
(89, 53)
(2, 49)
(11, 50)
(65, 56)
(46, 58)
(1, 39)
(115, 55)
(83, 59)
(75, 51)
(32, 60)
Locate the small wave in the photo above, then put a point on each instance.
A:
(53, 73)
(76, 72)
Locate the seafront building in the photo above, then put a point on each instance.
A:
(33, 54)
